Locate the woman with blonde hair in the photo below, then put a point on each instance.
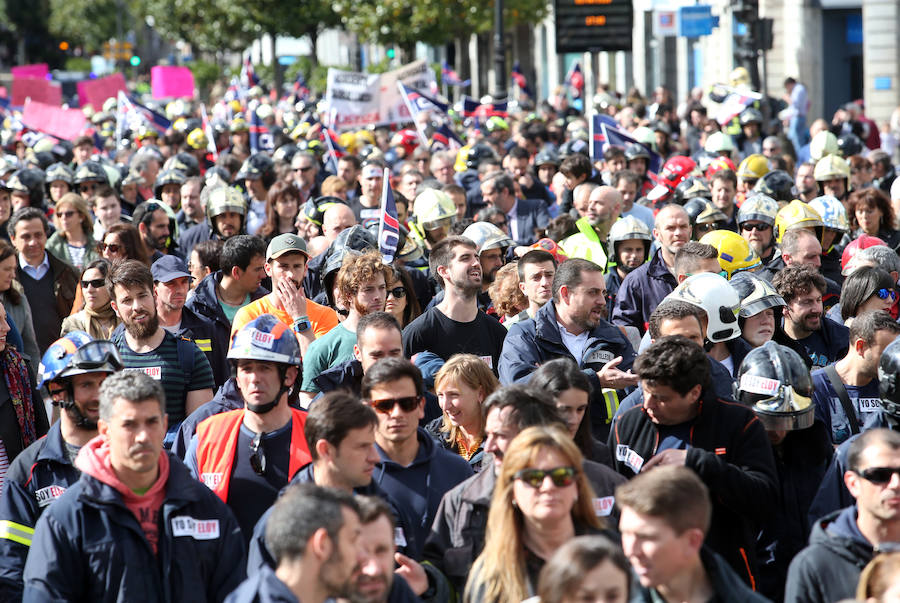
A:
(542, 500)
(97, 318)
(462, 385)
(73, 241)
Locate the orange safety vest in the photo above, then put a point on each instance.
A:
(217, 439)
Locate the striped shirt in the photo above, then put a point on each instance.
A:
(163, 365)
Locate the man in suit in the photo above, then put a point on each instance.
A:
(523, 215)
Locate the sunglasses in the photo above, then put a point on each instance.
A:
(303, 169)
(886, 293)
(397, 292)
(761, 227)
(707, 226)
(66, 214)
(407, 404)
(878, 475)
(97, 283)
(257, 455)
(561, 476)
(110, 247)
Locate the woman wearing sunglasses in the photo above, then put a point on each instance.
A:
(123, 242)
(462, 385)
(16, 304)
(401, 300)
(97, 318)
(867, 288)
(542, 499)
(73, 241)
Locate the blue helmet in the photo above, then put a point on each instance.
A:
(77, 353)
(265, 338)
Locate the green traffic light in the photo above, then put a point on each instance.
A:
(135, 61)
(391, 53)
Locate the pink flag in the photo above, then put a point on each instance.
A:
(35, 70)
(171, 82)
(62, 123)
(95, 92)
(38, 89)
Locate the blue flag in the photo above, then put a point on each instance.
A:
(598, 139)
(619, 138)
(389, 229)
(444, 136)
(472, 108)
(260, 137)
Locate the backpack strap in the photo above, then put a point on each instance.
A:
(838, 386)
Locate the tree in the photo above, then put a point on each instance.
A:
(89, 22)
(207, 25)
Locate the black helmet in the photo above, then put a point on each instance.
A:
(42, 159)
(167, 176)
(776, 184)
(258, 167)
(756, 294)
(479, 153)
(355, 239)
(635, 150)
(31, 182)
(849, 144)
(691, 188)
(888, 383)
(775, 383)
(285, 153)
(216, 173)
(702, 211)
(750, 115)
(571, 147)
(91, 171)
(60, 171)
(546, 157)
(314, 209)
(185, 163)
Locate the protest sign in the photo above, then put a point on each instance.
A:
(37, 89)
(167, 81)
(53, 119)
(95, 92)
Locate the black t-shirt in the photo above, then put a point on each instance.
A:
(434, 332)
(250, 495)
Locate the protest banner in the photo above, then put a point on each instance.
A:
(33, 70)
(95, 92)
(167, 81)
(37, 89)
(53, 119)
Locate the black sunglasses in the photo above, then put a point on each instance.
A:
(561, 476)
(878, 475)
(303, 169)
(407, 404)
(762, 226)
(257, 455)
(397, 292)
(97, 283)
(111, 247)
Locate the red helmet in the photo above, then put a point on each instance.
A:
(719, 163)
(855, 246)
(674, 171)
(407, 139)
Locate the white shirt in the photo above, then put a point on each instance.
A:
(512, 221)
(256, 217)
(35, 272)
(574, 343)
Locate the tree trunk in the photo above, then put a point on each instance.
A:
(277, 72)
(314, 50)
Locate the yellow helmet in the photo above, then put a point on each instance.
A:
(735, 253)
(348, 141)
(753, 167)
(197, 139)
(300, 131)
(824, 143)
(798, 214)
(364, 137)
(739, 77)
(461, 157)
(433, 210)
(831, 166)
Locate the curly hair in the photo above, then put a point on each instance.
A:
(505, 293)
(871, 198)
(358, 270)
(798, 279)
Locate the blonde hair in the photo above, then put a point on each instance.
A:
(500, 569)
(878, 576)
(472, 371)
(81, 206)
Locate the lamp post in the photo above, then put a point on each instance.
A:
(499, 55)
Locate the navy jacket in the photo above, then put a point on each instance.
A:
(90, 547)
(532, 342)
(729, 450)
(35, 479)
(531, 214)
(205, 302)
(641, 291)
(262, 587)
(227, 398)
(195, 234)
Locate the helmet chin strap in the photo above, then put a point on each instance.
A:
(75, 414)
(262, 409)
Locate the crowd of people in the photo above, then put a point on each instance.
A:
(577, 379)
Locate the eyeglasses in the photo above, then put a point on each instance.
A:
(878, 475)
(397, 292)
(886, 293)
(110, 247)
(257, 455)
(407, 404)
(561, 476)
(97, 283)
(66, 214)
(707, 226)
(760, 226)
(303, 169)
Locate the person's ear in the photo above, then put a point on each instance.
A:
(851, 480)
(323, 449)
(564, 294)
(695, 393)
(268, 269)
(860, 346)
(320, 544)
(356, 352)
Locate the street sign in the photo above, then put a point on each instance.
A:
(696, 21)
(593, 25)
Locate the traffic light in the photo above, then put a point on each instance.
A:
(64, 46)
(391, 53)
(135, 60)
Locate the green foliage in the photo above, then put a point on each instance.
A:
(316, 77)
(208, 25)
(78, 64)
(205, 74)
(91, 22)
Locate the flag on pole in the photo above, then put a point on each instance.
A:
(260, 137)
(301, 90)
(335, 150)
(615, 137)
(598, 139)
(389, 228)
(575, 79)
(248, 77)
(450, 77)
(210, 137)
(733, 104)
(472, 108)
(519, 79)
(416, 102)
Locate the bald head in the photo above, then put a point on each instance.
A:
(336, 218)
(581, 197)
(604, 207)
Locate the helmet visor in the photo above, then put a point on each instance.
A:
(444, 222)
(96, 355)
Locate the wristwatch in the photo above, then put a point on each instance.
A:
(301, 324)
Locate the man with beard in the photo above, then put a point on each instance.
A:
(153, 223)
(802, 288)
(314, 535)
(805, 182)
(647, 285)
(367, 206)
(361, 288)
(589, 243)
(843, 542)
(145, 346)
(573, 326)
(136, 524)
(247, 455)
(523, 216)
(455, 325)
(72, 370)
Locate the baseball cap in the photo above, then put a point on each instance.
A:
(285, 243)
(168, 268)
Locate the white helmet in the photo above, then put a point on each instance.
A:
(712, 293)
(487, 236)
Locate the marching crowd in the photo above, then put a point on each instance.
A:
(581, 376)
